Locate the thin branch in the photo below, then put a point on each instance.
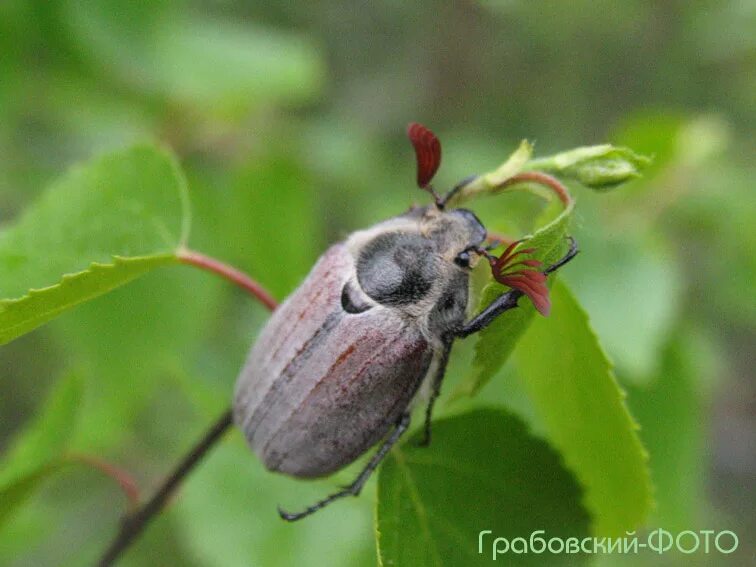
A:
(241, 279)
(134, 524)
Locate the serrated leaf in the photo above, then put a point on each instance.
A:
(36, 453)
(570, 381)
(673, 423)
(496, 342)
(598, 167)
(614, 267)
(99, 227)
(483, 471)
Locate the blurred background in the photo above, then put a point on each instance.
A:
(289, 121)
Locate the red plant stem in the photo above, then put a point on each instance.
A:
(134, 523)
(241, 279)
(542, 179)
(125, 481)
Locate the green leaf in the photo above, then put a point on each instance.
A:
(37, 452)
(511, 167)
(133, 342)
(99, 227)
(491, 182)
(496, 342)
(570, 381)
(269, 198)
(670, 410)
(483, 471)
(621, 266)
(216, 65)
(597, 167)
(224, 63)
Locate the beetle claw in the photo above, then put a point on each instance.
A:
(288, 516)
(424, 442)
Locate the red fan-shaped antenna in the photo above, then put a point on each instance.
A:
(525, 278)
(427, 150)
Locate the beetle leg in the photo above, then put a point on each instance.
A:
(504, 302)
(355, 488)
(454, 190)
(438, 378)
(571, 253)
(508, 300)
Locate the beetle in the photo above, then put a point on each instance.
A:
(338, 365)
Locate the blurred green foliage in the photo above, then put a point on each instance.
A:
(288, 119)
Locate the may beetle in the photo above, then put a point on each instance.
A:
(336, 368)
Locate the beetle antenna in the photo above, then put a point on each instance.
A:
(522, 274)
(456, 189)
(428, 156)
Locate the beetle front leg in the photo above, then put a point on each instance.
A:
(504, 302)
(508, 300)
(571, 253)
(355, 488)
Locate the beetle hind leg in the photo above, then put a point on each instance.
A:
(354, 488)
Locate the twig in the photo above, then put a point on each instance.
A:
(135, 523)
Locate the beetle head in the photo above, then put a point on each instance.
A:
(461, 233)
(457, 231)
(408, 260)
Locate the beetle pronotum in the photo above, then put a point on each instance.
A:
(338, 365)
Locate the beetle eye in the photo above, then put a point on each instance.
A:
(463, 259)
